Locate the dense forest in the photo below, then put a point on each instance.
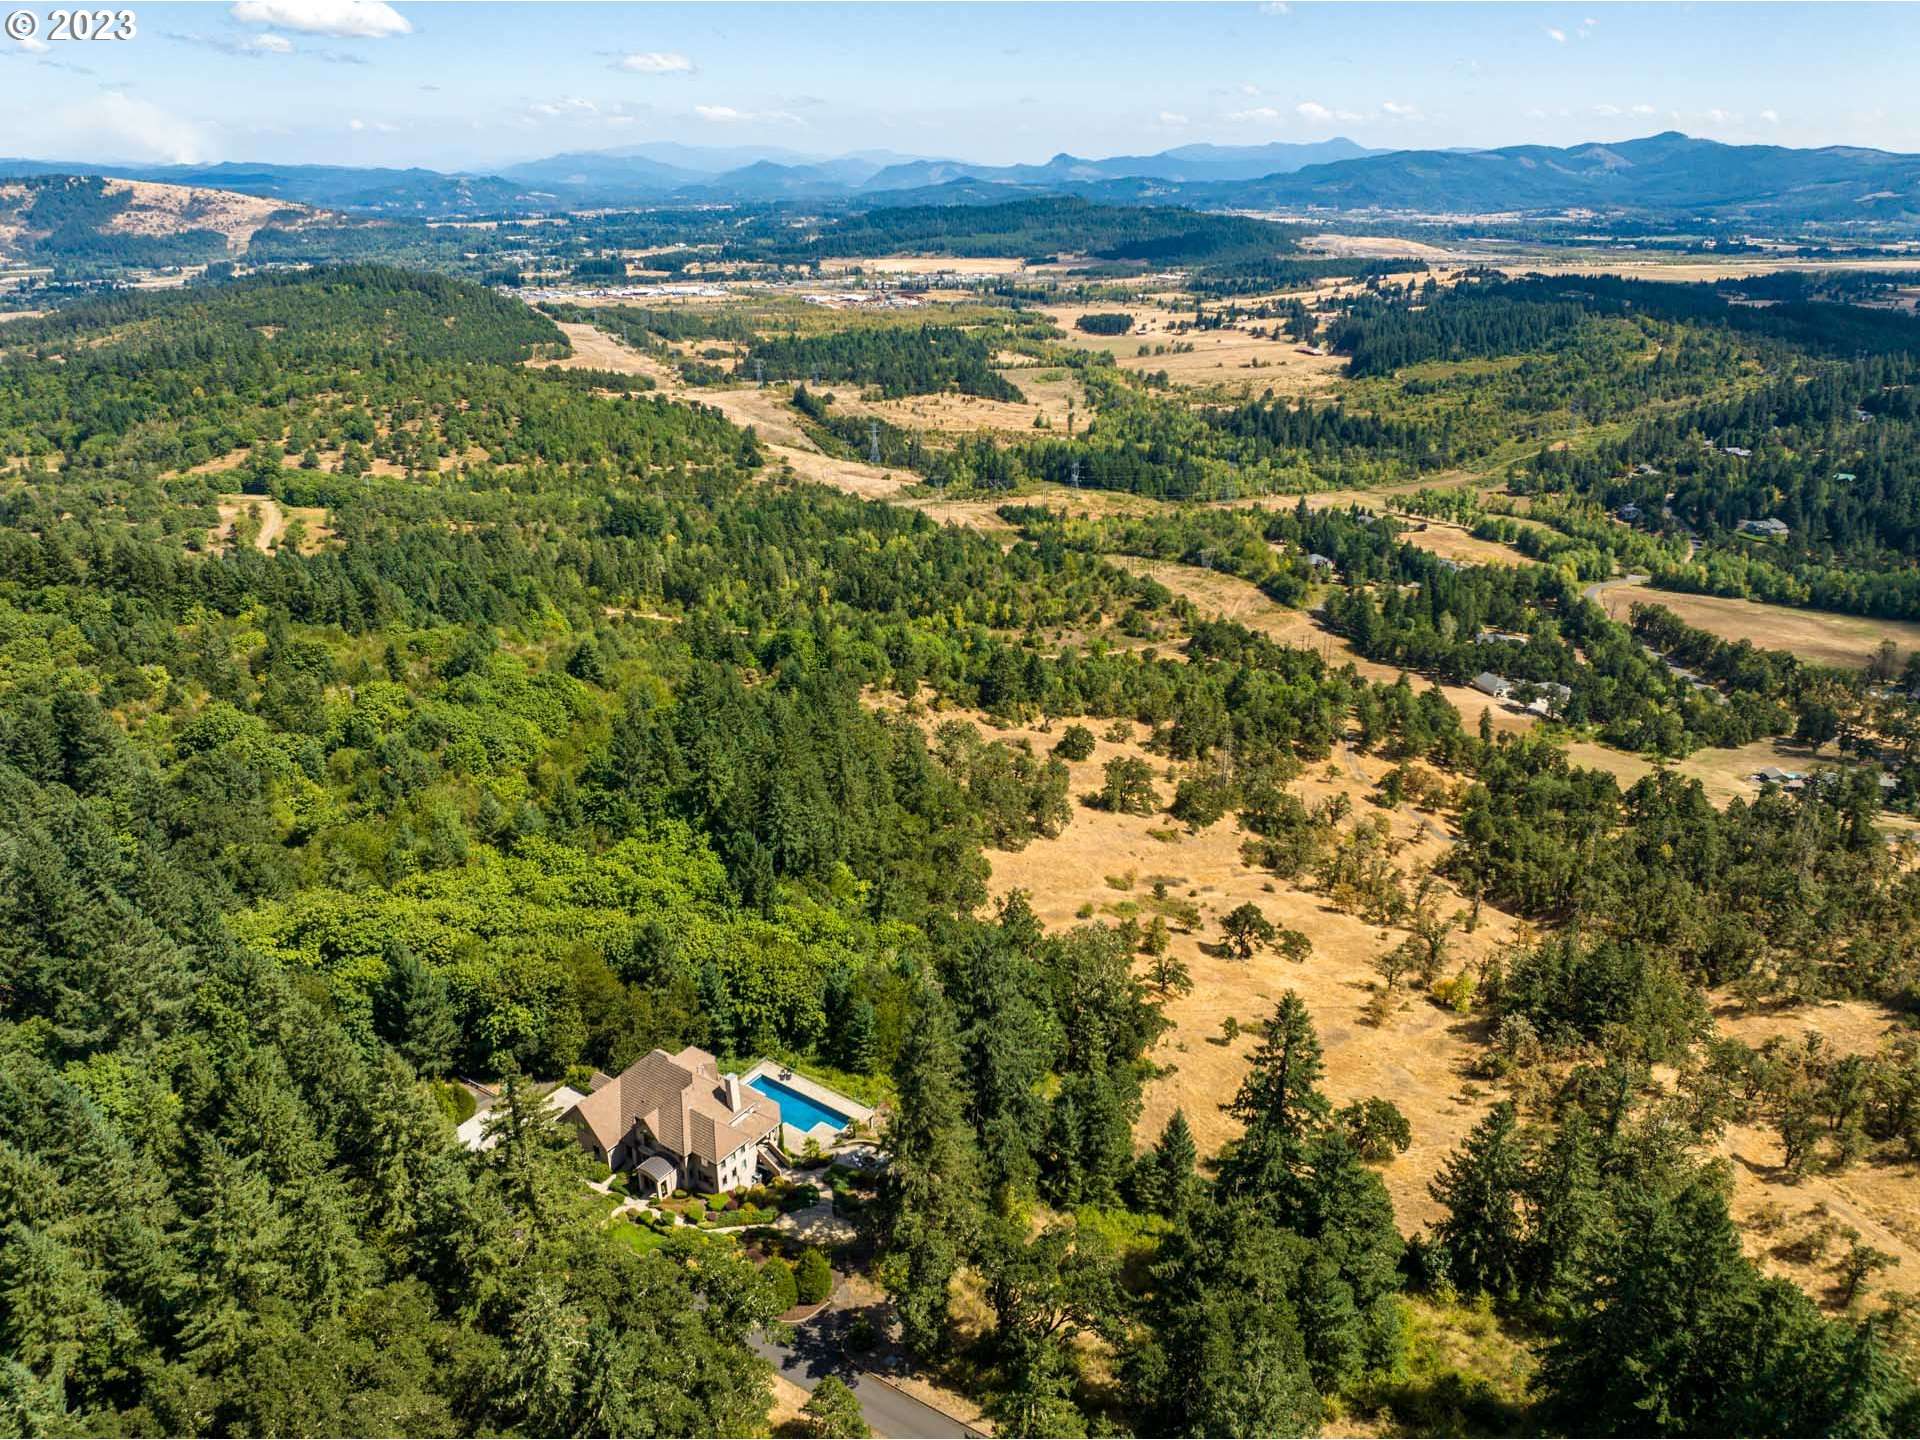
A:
(584, 727)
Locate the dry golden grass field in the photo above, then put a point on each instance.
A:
(1776, 1213)
(1233, 359)
(1823, 637)
(1104, 866)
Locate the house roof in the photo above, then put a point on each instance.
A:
(655, 1168)
(681, 1099)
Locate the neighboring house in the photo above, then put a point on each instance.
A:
(1488, 683)
(705, 1129)
(1738, 451)
(1510, 637)
(1844, 477)
(1630, 513)
(1767, 529)
(1320, 562)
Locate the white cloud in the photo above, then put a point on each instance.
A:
(655, 62)
(1606, 109)
(1172, 117)
(1720, 117)
(1259, 112)
(354, 19)
(1400, 111)
(1772, 117)
(33, 45)
(1559, 37)
(137, 129)
(356, 124)
(1276, 7)
(1643, 110)
(272, 44)
(728, 115)
(1248, 88)
(1314, 113)
(572, 105)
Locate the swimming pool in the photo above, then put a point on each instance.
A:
(802, 1112)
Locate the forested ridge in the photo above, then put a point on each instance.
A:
(588, 729)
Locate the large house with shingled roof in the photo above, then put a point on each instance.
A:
(680, 1124)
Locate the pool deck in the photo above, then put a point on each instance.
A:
(792, 1138)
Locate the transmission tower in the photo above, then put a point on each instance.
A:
(1073, 472)
(873, 441)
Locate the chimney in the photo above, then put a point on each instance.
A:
(735, 1102)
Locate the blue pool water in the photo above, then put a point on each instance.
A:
(797, 1110)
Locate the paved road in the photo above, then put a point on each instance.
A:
(816, 1353)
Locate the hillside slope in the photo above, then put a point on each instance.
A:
(90, 218)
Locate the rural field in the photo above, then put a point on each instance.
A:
(1820, 637)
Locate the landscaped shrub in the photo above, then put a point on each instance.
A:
(779, 1277)
(814, 1276)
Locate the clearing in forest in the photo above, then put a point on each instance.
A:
(270, 522)
(1232, 359)
(1822, 637)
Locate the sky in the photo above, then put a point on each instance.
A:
(465, 86)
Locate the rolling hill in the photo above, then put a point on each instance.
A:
(1669, 179)
(1670, 174)
(69, 219)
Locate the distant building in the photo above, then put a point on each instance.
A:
(1844, 477)
(1491, 637)
(1320, 562)
(1739, 452)
(1552, 696)
(1630, 513)
(1768, 529)
(1488, 683)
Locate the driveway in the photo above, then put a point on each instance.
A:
(816, 1353)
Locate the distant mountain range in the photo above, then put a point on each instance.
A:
(1669, 178)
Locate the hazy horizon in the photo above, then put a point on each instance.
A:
(470, 87)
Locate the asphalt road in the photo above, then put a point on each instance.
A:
(816, 1353)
